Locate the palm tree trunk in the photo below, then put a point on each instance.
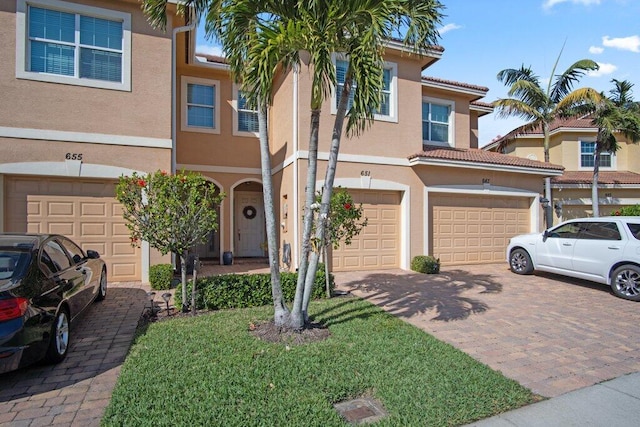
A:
(281, 313)
(548, 212)
(297, 319)
(594, 185)
(327, 189)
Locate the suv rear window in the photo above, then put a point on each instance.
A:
(635, 230)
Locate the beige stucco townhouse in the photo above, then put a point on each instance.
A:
(572, 144)
(85, 97)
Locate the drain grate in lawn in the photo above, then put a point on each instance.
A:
(361, 411)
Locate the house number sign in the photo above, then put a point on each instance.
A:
(73, 156)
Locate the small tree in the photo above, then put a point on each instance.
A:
(344, 222)
(171, 212)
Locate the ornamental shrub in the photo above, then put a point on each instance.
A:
(160, 276)
(628, 211)
(425, 264)
(248, 290)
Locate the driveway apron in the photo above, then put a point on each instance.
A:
(77, 391)
(551, 334)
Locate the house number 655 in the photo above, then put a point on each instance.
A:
(73, 156)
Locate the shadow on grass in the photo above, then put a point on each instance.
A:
(100, 341)
(451, 295)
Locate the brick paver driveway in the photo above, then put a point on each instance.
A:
(550, 334)
(76, 391)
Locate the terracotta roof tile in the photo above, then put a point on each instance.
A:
(586, 177)
(474, 155)
(576, 122)
(482, 104)
(454, 83)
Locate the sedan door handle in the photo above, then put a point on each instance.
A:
(615, 248)
(566, 244)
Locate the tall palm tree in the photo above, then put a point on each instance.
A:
(264, 38)
(617, 114)
(540, 107)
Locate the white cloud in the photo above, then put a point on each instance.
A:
(548, 4)
(596, 50)
(449, 27)
(603, 70)
(631, 43)
(204, 49)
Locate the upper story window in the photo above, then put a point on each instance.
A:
(587, 159)
(245, 117)
(75, 44)
(200, 105)
(437, 122)
(389, 93)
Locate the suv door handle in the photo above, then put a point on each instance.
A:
(566, 244)
(615, 248)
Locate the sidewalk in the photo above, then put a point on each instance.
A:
(614, 403)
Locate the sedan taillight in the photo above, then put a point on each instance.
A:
(13, 308)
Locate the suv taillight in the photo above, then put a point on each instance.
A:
(13, 308)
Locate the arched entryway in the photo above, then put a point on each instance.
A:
(249, 234)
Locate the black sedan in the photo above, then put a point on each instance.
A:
(46, 281)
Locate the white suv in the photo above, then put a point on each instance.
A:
(604, 250)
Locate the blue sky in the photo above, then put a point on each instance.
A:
(482, 37)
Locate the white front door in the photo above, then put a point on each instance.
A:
(249, 224)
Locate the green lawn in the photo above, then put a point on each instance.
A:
(210, 371)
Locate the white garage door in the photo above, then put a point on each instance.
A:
(83, 210)
(473, 230)
(378, 245)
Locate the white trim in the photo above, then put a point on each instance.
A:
(219, 169)
(234, 105)
(184, 82)
(393, 88)
(416, 161)
(606, 201)
(201, 61)
(357, 158)
(72, 168)
(405, 207)
(479, 190)
(451, 121)
(145, 261)
(21, 43)
(480, 108)
(93, 138)
(600, 185)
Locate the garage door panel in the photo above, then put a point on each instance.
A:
(470, 229)
(378, 245)
(84, 210)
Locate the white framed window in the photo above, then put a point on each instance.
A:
(587, 159)
(70, 43)
(388, 110)
(437, 122)
(245, 119)
(200, 100)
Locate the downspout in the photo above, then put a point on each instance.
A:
(174, 132)
(296, 157)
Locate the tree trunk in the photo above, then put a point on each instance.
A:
(196, 261)
(327, 189)
(594, 185)
(326, 270)
(297, 319)
(183, 270)
(548, 213)
(281, 313)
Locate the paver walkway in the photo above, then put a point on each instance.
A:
(550, 334)
(77, 391)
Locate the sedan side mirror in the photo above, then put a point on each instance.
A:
(545, 235)
(92, 254)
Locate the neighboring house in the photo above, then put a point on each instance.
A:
(86, 97)
(572, 144)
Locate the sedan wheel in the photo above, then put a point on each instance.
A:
(520, 262)
(102, 292)
(59, 342)
(625, 282)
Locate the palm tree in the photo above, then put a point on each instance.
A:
(616, 114)
(264, 38)
(528, 100)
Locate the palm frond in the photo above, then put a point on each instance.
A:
(563, 83)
